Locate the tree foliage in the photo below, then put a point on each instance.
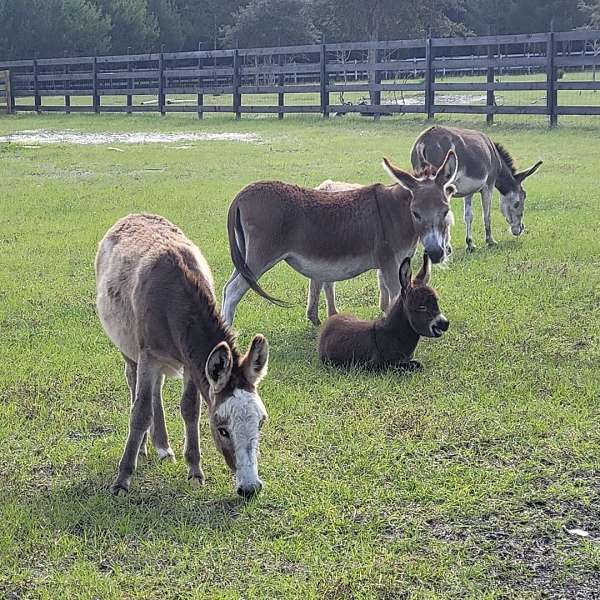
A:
(42, 28)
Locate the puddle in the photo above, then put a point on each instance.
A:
(41, 136)
(440, 99)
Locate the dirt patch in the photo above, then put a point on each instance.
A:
(42, 136)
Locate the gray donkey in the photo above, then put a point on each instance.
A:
(483, 165)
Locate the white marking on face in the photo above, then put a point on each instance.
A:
(243, 412)
(434, 238)
(440, 319)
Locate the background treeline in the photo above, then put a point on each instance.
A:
(45, 28)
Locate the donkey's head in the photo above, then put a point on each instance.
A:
(430, 204)
(236, 409)
(420, 301)
(512, 204)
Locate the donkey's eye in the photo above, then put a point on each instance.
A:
(222, 431)
(517, 204)
(422, 308)
(416, 215)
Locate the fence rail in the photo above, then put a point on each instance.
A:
(318, 71)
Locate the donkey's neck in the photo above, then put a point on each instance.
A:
(505, 182)
(202, 330)
(400, 338)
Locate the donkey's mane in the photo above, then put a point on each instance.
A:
(506, 157)
(424, 171)
(205, 307)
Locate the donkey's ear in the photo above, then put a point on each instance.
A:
(422, 277)
(405, 274)
(525, 174)
(405, 179)
(446, 174)
(256, 360)
(218, 367)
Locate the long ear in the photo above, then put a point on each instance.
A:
(218, 367)
(447, 172)
(422, 277)
(405, 274)
(256, 360)
(404, 178)
(525, 174)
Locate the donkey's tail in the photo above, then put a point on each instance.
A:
(236, 236)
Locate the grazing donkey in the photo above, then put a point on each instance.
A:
(391, 340)
(335, 236)
(484, 164)
(155, 298)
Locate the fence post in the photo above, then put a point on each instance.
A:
(376, 95)
(67, 85)
(281, 83)
(36, 91)
(429, 77)
(491, 77)
(129, 82)
(95, 97)
(200, 97)
(237, 97)
(551, 84)
(161, 82)
(10, 95)
(324, 82)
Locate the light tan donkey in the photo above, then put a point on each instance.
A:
(156, 301)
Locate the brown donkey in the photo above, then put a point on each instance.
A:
(155, 298)
(391, 340)
(330, 237)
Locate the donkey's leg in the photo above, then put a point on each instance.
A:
(388, 276)
(140, 420)
(384, 294)
(190, 411)
(160, 437)
(131, 377)
(329, 288)
(312, 306)
(234, 291)
(469, 222)
(486, 203)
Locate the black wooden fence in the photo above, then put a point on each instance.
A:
(5, 95)
(318, 72)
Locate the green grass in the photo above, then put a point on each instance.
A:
(457, 482)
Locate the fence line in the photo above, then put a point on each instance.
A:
(318, 70)
(5, 93)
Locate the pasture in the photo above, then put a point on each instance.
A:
(465, 480)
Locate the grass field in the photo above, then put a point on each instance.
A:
(462, 481)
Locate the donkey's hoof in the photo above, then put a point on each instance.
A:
(166, 454)
(491, 242)
(411, 366)
(196, 479)
(119, 487)
(471, 248)
(314, 319)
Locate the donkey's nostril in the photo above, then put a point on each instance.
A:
(436, 255)
(443, 324)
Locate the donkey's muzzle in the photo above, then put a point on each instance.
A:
(517, 230)
(248, 491)
(436, 254)
(439, 326)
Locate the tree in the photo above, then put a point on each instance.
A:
(270, 23)
(168, 19)
(132, 25)
(86, 29)
(591, 11)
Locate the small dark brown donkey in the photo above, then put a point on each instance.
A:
(156, 301)
(391, 340)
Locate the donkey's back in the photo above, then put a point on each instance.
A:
(138, 268)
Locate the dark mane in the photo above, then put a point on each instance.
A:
(506, 157)
(427, 170)
(206, 314)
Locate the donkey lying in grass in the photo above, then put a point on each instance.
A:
(155, 298)
(484, 164)
(391, 340)
(335, 236)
